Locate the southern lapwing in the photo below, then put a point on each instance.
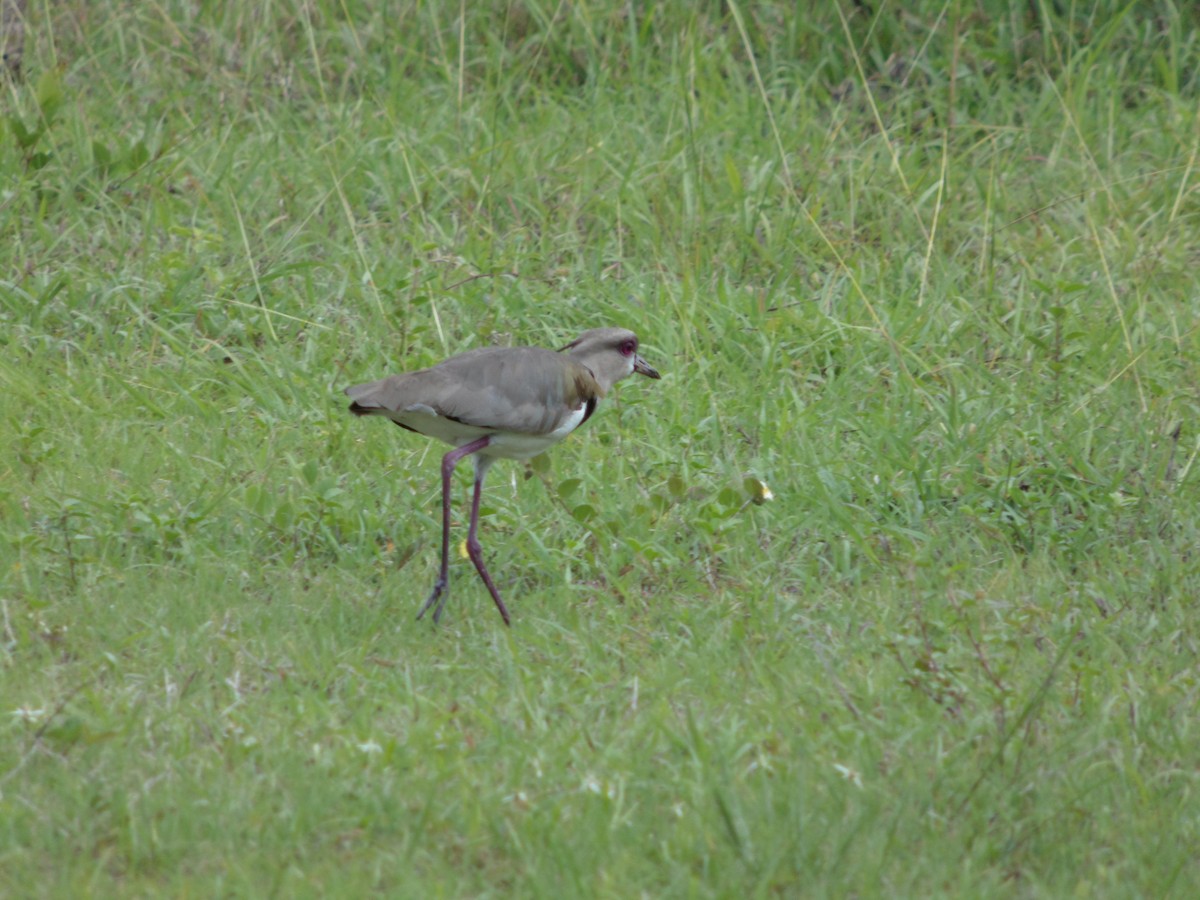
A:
(500, 402)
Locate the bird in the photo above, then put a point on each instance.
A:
(499, 403)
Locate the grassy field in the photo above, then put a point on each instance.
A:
(929, 271)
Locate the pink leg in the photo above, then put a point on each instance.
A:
(473, 548)
(449, 461)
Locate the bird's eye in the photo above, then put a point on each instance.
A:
(628, 347)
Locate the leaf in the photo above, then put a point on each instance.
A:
(310, 472)
(101, 155)
(25, 137)
(734, 176)
(1071, 287)
(49, 93)
(138, 154)
(729, 498)
(676, 486)
(68, 732)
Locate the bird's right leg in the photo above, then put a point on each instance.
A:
(449, 461)
(473, 549)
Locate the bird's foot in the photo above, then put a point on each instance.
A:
(439, 591)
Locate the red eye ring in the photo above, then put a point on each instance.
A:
(628, 348)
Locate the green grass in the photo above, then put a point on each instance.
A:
(929, 273)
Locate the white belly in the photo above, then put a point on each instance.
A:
(504, 444)
(511, 445)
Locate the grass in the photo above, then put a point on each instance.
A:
(930, 274)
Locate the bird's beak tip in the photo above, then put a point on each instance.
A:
(644, 368)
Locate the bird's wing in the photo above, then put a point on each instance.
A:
(528, 390)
